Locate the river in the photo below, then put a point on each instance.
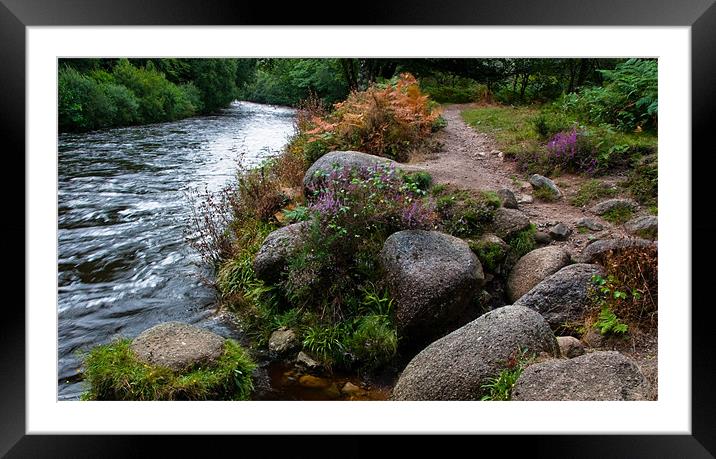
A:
(123, 262)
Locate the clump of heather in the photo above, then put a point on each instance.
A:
(353, 211)
(572, 151)
(356, 201)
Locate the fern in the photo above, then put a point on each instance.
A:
(609, 323)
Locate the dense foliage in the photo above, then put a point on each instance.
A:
(388, 119)
(628, 100)
(100, 93)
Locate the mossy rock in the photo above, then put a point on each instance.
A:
(114, 372)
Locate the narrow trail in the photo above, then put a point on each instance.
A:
(471, 160)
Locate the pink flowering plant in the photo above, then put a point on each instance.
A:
(354, 202)
(572, 151)
(353, 211)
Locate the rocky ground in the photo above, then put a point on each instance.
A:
(472, 161)
(463, 325)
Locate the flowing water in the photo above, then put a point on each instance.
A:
(123, 262)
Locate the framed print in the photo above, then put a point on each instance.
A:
(43, 42)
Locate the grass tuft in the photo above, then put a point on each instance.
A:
(524, 242)
(590, 191)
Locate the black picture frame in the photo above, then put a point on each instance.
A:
(700, 15)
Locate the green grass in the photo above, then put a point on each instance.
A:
(523, 132)
(114, 373)
(499, 388)
(374, 341)
(590, 191)
(544, 194)
(618, 215)
(512, 127)
(524, 241)
(326, 343)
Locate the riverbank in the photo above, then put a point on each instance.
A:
(123, 214)
(441, 278)
(288, 278)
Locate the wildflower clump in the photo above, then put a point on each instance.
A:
(353, 211)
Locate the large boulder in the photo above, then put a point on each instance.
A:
(539, 181)
(596, 249)
(508, 222)
(604, 375)
(338, 160)
(646, 226)
(433, 278)
(278, 246)
(177, 346)
(563, 297)
(532, 268)
(612, 204)
(456, 366)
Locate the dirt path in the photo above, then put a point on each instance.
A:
(471, 160)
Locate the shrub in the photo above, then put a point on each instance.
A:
(544, 193)
(420, 180)
(159, 99)
(450, 89)
(354, 210)
(259, 193)
(387, 119)
(297, 214)
(628, 100)
(572, 151)
(618, 215)
(548, 123)
(643, 181)
(489, 254)
(84, 103)
(114, 373)
(608, 323)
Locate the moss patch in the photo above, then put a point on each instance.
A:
(490, 254)
(114, 373)
(618, 215)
